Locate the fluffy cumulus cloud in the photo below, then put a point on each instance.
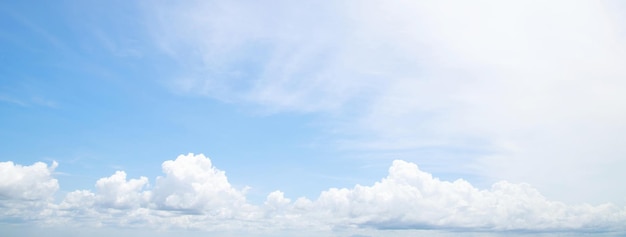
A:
(191, 193)
(194, 194)
(411, 198)
(34, 182)
(191, 183)
(529, 87)
(26, 191)
(116, 192)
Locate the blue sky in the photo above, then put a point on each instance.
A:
(367, 112)
(90, 93)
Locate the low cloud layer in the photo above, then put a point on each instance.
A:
(193, 194)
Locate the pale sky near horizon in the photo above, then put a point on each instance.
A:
(341, 118)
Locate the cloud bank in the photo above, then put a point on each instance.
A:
(193, 194)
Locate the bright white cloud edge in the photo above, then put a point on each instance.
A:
(193, 194)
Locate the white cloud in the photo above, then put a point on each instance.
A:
(34, 182)
(192, 193)
(113, 192)
(116, 201)
(79, 199)
(26, 191)
(534, 87)
(276, 201)
(116, 192)
(195, 195)
(191, 183)
(410, 198)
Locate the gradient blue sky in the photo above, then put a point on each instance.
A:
(303, 97)
(84, 84)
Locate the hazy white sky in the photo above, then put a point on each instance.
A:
(339, 118)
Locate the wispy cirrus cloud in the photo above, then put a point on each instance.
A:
(534, 88)
(33, 101)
